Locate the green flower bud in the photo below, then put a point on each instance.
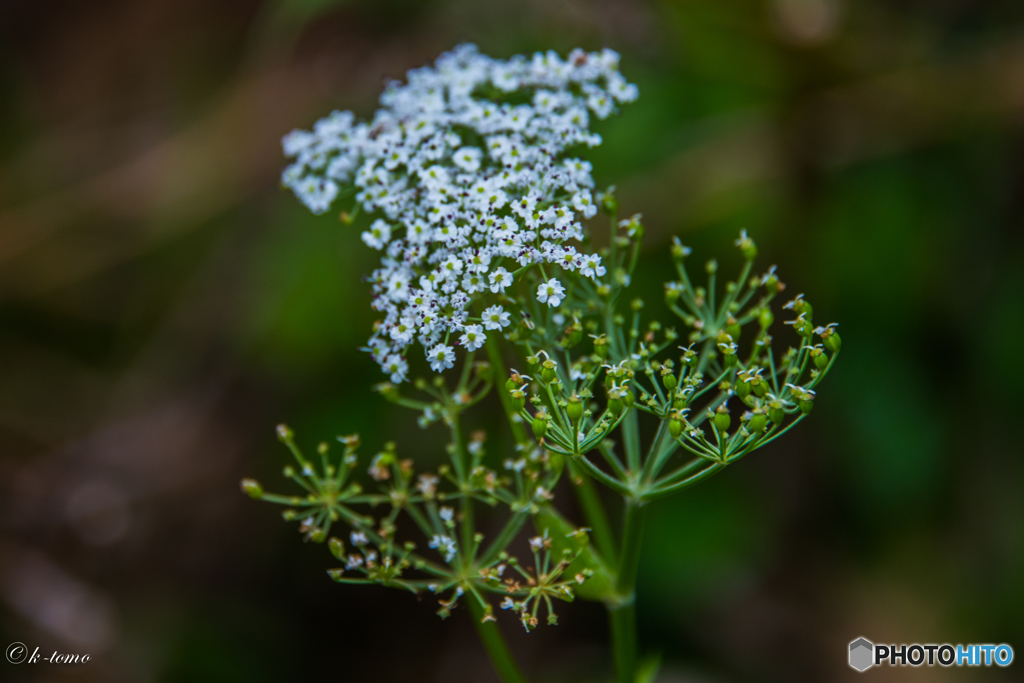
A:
(675, 428)
(615, 405)
(548, 371)
(722, 419)
(830, 338)
(760, 388)
(389, 391)
(609, 204)
(806, 405)
(670, 381)
(678, 250)
(776, 414)
(747, 246)
(728, 351)
(601, 346)
(732, 328)
(633, 227)
(628, 399)
(318, 536)
(572, 336)
(742, 388)
(757, 423)
(765, 318)
(284, 433)
(252, 488)
(820, 358)
(540, 425)
(483, 371)
(518, 399)
(574, 410)
(337, 548)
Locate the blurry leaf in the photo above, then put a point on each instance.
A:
(597, 587)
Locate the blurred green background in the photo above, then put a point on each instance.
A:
(163, 304)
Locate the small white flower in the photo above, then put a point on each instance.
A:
(473, 282)
(502, 196)
(445, 545)
(441, 357)
(592, 267)
(468, 159)
(584, 203)
(378, 236)
(397, 366)
(551, 293)
(427, 484)
(500, 279)
(402, 331)
(358, 538)
(446, 513)
(495, 318)
(473, 338)
(452, 267)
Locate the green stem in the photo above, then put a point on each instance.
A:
(492, 639)
(664, 489)
(461, 461)
(593, 510)
(622, 613)
(597, 473)
(501, 541)
(631, 443)
(515, 422)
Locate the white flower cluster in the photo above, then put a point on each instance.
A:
(467, 164)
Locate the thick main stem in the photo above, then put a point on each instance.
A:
(494, 642)
(622, 612)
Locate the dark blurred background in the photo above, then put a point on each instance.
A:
(163, 304)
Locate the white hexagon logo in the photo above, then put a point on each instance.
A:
(862, 654)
